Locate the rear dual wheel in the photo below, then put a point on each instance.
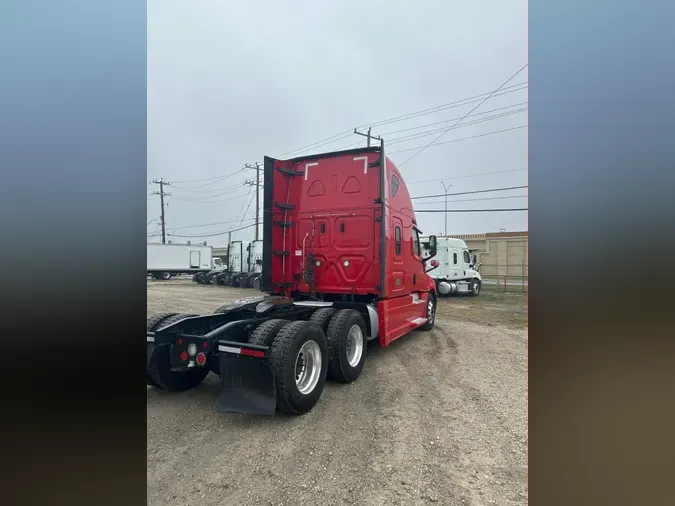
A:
(298, 360)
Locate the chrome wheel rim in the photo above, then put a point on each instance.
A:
(354, 345)
(307, 367)
(431, 310)
(475, 287)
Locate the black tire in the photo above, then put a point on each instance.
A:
(266, 332)
(322, 317)
(341, 324)
(475, 287)
(431, 313)
(283, 354)
(153, 323)
(159, 370)
(164, 276)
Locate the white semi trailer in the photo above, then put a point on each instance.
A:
(167, 260)
(453, 267)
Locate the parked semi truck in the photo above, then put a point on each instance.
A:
(255, 260)
(237, 266)
(167, 260)
(342, 265)
(453, 267)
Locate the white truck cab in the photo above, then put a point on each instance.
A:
(453, 267)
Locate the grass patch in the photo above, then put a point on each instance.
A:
(489, 308)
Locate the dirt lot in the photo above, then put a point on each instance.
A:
(439, 417)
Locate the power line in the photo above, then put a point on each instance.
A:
(466, 176)
(453, 119)
(222, 177)
(406, 138)
(214, 234)
(203, 200)
(247, 208)
(476, 200)
(469, 210)
(208, 191)
(419, 135)
(468, 193)
(207, 224)
(322, 142)
(457, 140)
(450, 105)
(241, 217)
(477, 106)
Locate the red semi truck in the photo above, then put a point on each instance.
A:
(342, 265)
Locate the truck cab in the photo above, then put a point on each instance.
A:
(453, 268)
(343, 228)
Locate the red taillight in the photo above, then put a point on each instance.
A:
(180, 341)
(183, 356)
(201, 359)
(253, 353)
(206, 344)
(434, 263)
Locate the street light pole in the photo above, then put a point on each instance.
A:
(446, 188)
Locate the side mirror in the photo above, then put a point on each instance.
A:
(432, 245)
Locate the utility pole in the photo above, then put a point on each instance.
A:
(257, 195)
(446, 188)
(162, 194)
(367, 135)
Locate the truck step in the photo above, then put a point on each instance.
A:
(281, 253)
(291, 172)
(284, 206)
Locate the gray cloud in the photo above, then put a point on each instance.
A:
(231, 82)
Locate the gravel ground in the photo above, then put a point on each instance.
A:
(439, 417)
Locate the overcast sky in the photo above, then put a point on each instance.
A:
(230, 82)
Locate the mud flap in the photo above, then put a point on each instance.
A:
(248, 386)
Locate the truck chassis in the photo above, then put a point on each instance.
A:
(271, 352)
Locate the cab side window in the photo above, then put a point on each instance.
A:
(467, 259)
(394, 185)
(416, 243)
(454, 258)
